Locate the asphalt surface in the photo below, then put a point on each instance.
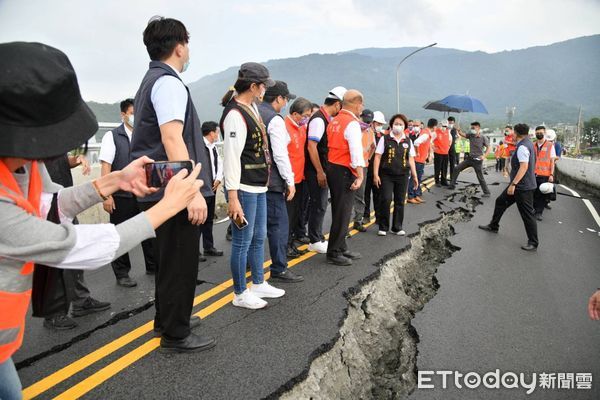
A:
(497, 307)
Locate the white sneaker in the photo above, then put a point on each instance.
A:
(400, 233)
(318, 247)
(381, 233)
(248, 300)
(264, 290)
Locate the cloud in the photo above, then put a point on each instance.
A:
(103, 38)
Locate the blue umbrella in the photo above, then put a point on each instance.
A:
(464, 103)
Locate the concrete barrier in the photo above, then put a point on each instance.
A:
(584, 172)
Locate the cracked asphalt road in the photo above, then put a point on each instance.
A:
(523, 315)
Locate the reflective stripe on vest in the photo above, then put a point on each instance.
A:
(339, 150)
(15, 288)
(543, 159)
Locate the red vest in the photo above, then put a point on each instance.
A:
(14, 302)
(543, 159)
(339, 151)
(296, 148)
(423, 148)
(441, 143)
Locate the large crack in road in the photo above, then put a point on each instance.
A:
(374, 354)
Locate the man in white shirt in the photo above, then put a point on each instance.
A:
(115, 154)
(210, 132)
(344, 174)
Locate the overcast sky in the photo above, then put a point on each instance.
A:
(103, 38)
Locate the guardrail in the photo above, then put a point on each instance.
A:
(583, 171)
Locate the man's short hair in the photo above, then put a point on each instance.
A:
(540, 128)
(509, 126)
(162, 35)
(451, 119)
(522, 129)
(330, 102)
(300, 105)
(125, 104)
(475, 123)
(208, 127)
(432, 122)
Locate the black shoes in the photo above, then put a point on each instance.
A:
(529, 247)
(339, 260)
(89, 306)
(353, 255)
(60, 323)
(194, 322)
(485, 195)
(228, 236)
(488, 228)
(126, 282)
(539, 217)
(359, 227)
(302, 240)
(286, 276)
(293, 252)
(213, 252)
(451, 187)
(190, 344)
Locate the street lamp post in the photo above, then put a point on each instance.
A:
(398, 73)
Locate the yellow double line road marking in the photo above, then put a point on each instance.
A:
(123, 362)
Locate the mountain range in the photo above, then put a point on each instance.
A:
(545, 83)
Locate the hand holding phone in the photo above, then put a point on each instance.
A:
(158, 174)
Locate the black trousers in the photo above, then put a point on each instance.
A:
(392, 186)
(294, 211)
(206, 229)
(477, 166)
(452, 159)
(317, 206)
(539, 199)
(524, 200)
(440, 168)
(177, 253)
(370, 188)
(339, 179)
(299, 230)
(125, 208)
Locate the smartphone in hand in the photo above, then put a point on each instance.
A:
(240, 222)
(159, 173)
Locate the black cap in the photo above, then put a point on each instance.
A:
(367, 116)
(280, 88)
(255, 72)
(42, 114)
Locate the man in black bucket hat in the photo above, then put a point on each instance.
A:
(42, 115)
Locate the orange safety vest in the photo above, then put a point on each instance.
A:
(368, 140)
(423, 148)
(511, 144)
(16, 294)
(499, 153)
(441, 143)
(543, 159)
(339, 150)
(296, 148)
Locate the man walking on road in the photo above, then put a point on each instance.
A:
(477, 144)
(521, 188)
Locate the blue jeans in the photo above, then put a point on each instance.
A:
(277, 230)
(10, 384)
(412, 193)
(248, 243)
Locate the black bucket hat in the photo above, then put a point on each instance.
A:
(42, 113)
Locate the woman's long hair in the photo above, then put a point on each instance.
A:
(240, 86)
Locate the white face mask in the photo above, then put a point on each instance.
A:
(130, 120)
(473, 131)
(398, 128)
(417, 129)
(379, 129)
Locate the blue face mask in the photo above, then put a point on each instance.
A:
(186, 66)
(303, 121)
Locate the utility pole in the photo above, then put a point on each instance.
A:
(578, 136)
